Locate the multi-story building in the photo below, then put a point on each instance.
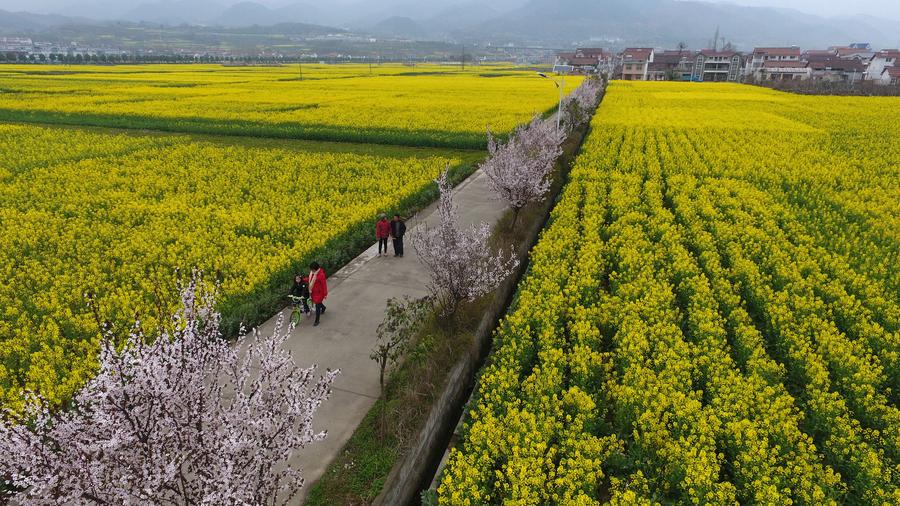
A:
(635, 62)
(717, 66)
(671, 66)
(761, 55)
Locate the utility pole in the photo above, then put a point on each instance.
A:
(301, 70)
(462, 59)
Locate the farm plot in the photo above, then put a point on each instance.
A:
(712, 315)
(115, 214)
(413, 106)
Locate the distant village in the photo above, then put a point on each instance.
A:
(851, 64)
(841, 64)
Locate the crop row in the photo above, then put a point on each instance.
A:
(683, 334)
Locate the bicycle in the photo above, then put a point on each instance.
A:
(298, 304)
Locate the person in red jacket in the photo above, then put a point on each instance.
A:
(382, 233)
(318, 288)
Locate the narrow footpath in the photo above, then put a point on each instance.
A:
(357, 295)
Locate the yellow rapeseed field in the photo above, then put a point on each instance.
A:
(429, 105)
(713, 315)
(111, 213)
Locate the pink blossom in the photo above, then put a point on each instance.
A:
(186, 418)
(461, 263)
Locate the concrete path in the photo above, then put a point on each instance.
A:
(357, 295)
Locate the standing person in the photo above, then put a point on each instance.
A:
(318, 288)
(398, 230)
(301, 291)
(382, 232)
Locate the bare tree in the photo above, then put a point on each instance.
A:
(402, 318)
(186, 418)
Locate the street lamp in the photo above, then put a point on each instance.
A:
(559, 86)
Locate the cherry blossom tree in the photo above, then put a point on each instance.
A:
(186, 418)
(462, 264)
(519, 171)
(579, 105)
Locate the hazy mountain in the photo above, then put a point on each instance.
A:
(302, 12)
(247, 14)
(21, 22)
(173, 12)
(461, 16)
(665, 22)
(551, 22)
(399, 26)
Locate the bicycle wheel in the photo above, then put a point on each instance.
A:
(296, 316)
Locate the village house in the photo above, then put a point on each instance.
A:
(14, 48)
(883, 59)
(890, 76)
(717, 66)
(836, 69)
(635, 62)
(583, 60)
(859, 51)
(671, 66)
(761, 55)
(783, 71)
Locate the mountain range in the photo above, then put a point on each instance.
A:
(550, 22)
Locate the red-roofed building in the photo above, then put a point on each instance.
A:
(593, 52)
(635, 62)
(671, 66)
(761, 55)
(717, 66)
(883, 59)
(569, 63)
(583, 60)
(836, 69)
(861, 52)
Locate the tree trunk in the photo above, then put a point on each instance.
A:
(515, 217)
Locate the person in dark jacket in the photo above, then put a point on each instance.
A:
(382, 232)
(301, 291)
(318, 288)
(398, 230)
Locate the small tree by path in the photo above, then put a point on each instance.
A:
(462, 264)
(185, 419)
(519, 171)
(402, 317)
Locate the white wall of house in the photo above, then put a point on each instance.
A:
(877, 65)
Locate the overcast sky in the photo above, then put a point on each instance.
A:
(878, 8)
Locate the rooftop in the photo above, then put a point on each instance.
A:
(637, 53)
(711, 53)
(778, 51)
